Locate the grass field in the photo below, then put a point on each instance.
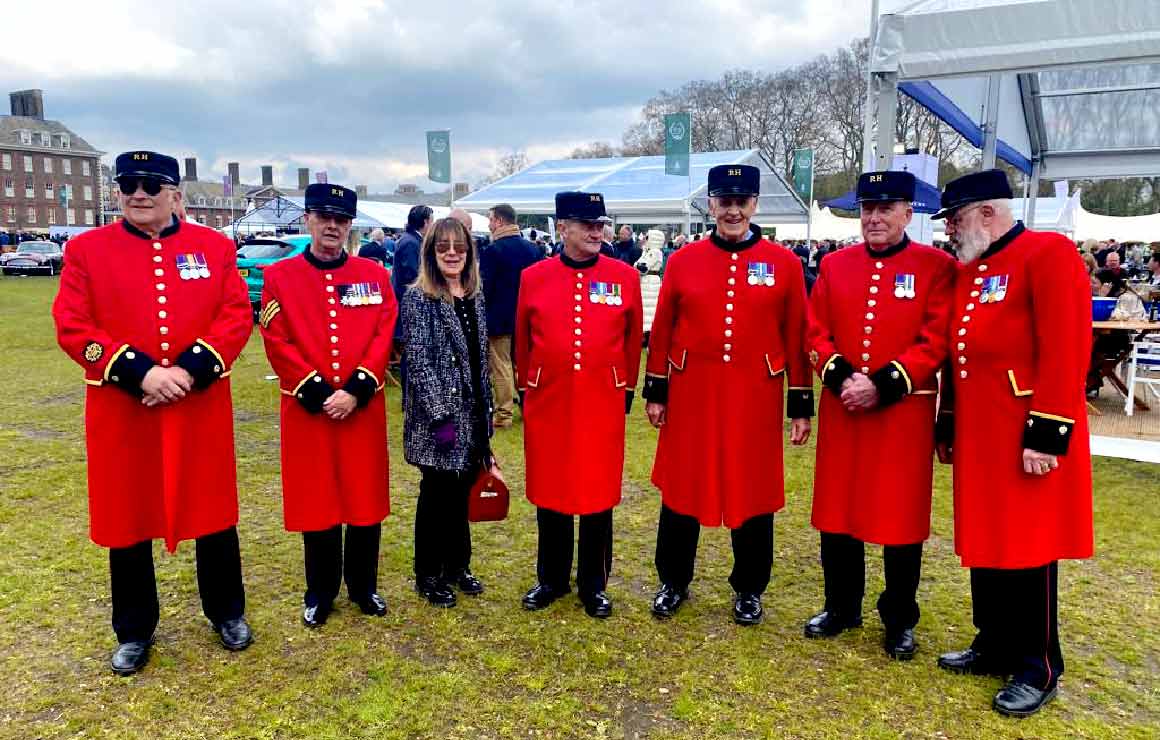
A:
(488, 669)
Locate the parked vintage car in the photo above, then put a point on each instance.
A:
(33, 258)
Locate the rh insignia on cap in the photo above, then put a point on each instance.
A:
(875, 178)
(595, 198)
(94, 351)
(734, 173)
(336, 191)
(141, 156)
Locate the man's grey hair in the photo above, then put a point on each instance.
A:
(377, 235)
(608, 232)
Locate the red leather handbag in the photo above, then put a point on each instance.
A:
(489, 499)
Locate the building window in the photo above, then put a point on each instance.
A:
(65, 141)
(201, 219)
(88, 192)
(45, 139)
(88, 217)
(6, 162)
(66, 166)
(11, 214)
(28, 163)
(219, 221)
(25, 137)
(29, 189)
(9, 188)
(71, 216)
(50, 216)
(85, 168)
(31, 216)
(48, 191)
(48, 165)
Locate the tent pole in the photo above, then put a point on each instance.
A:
(887, 117)
(991, 127)
(1029, 203)
(868, 110)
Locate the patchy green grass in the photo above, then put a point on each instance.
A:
(488, 669)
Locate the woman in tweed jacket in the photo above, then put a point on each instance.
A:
(447, 406)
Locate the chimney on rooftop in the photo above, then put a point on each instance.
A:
(235, 173)
(267, 175)
(28, 103)
(190, 169)
(303, 177)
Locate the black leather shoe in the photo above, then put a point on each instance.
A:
(597, 605)
(747, 609)
(900, 644)
(969, 661)
(541, 596)
(130, 657)
(373, 605)
(467, 584)
(436, 592)
(315, 616)
(235, 634)
(830, 624)
(668, 601)
(1018, 699)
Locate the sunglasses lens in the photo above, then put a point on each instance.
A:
(151, 185)
(128, 186)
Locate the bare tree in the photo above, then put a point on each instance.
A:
(594, 150)
(509, 164)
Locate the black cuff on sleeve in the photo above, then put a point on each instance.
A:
(628, 396)
(835, 372)
(890, 380)
(1051, 436)
(522, 395)
(799, 403)
(314, 393)
(656, 390)
(201, 363)
(129, 369)
(362, 386)
(944, 428)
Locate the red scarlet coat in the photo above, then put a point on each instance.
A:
(577, 354)
(329, 326)
(122, 308)
(1020, 347)
(874, 468)
(724, 344)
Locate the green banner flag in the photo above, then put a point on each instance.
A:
(678, 138)
(439, 156)
(803, 174)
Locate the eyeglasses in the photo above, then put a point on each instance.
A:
(957, 217)
(151, 185)
(443, 246)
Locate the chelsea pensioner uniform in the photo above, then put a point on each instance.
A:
(884, 314)
(1020, 344)
(578, 343)
(126, 303)
(729, 325)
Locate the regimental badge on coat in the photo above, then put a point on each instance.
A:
(192, 266)
(607, 293)
(761, 273)
(360, 294)
(994, 289)
(904, 286)
(94, 351)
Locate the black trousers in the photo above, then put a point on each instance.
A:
(677, 536)
(554, 551)
(1016, 613)
(134, 584)
(844, 566)
(326, 566)
(442, 534)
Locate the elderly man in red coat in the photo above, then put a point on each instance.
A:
(155, 312)
(877, 337)
(1020, 336)
(579, 324)
(729, 326)
(328, 320)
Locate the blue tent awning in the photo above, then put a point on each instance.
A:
(926, 199)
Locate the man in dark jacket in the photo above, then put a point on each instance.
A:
(406, 269)
(627, 250)
(376, 249)
(501, 264)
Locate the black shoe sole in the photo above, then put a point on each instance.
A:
(904, 656)
(663, 615)
(1022, 715)
(971, 670)
(747, 621)
(123, 672)
(815, 635)
(535, 607)
(237, 647)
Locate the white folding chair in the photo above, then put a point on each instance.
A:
(1143, 368)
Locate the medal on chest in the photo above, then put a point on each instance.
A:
(360, 294)
(606, 293)
(192, 266)
(994, 289)
(761, 273)
(904, 286)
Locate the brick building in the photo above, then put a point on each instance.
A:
(38, 158)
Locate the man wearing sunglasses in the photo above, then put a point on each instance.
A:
(154, 311)
(327, 321)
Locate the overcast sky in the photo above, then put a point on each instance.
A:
(351, 87)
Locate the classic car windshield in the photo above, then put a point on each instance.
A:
(38, 247)
(264, 251)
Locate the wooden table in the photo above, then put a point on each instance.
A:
(1108, 365)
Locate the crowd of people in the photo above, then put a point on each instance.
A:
(735, 346)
